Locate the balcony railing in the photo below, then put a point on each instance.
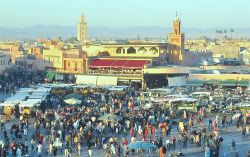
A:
(73, 70)
(121, 73)
(72, 56)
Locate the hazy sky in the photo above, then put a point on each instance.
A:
(125, 13)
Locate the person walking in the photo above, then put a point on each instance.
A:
(185, 141)
(19, 152)
(39, 150)
(50, 149)
(233, 145)
(79, 149)
(67, 153)
(244, 130)
(55, 150)
(90, 152)
(164, 151)
(161, 152)
(173, 141)
(107, 150)
(168, 144)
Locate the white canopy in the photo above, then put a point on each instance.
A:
(86, 79)
(118, 88)
(243, 104)
(16, 98)
(6, 104)
(42, 90)
(106, 80)
(38, 95)
(161, 90)
(201, 93)
(34, 95)
(25, 90)
(161, 100)
(177, 96)
(166, 99)
(30, 103)
(183, 99)
(48, 86)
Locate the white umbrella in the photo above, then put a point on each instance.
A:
(148, 106)
(73, 101)
(236, 116)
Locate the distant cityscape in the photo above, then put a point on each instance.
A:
(225, 48)
(108, 33)
(132, 91)
(134, 58)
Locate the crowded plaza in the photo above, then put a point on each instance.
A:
(82, 120)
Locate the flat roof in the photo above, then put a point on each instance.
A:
(145, 44)
(166, 70)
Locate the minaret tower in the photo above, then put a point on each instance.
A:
(176, 37)
(82, 30)
(177, 25)
(176, 42)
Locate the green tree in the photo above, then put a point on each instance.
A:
(71, 40)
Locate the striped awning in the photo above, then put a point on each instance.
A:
(125, 64)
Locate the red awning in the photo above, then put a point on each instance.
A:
(135, 64)
(101, 63)
(119, 63)
(126, 64)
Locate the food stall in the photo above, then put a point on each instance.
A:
(26, 107)
(7, 110)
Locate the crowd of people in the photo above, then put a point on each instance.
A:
(60, 129)
(14, 80)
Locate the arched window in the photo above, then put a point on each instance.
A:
(131, 50)
(153, 50)
(120, 50)
(142, 50)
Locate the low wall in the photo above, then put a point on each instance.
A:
(207, 77)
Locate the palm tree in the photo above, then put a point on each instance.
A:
(231, 30)
(225, 33)
(217, 32)
(220, 32)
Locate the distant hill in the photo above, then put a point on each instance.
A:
(103, 32)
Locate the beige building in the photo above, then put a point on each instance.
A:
(65, 60)
(37, 51)
(199, 45)
(82, 30)
(75, 61)
(94, 50)
(226, 50)
(14, 49)
(5, 59)
(30, 62)
(55, 56)
(160, 53)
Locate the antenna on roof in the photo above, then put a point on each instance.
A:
(138, 37)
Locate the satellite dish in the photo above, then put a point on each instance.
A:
(216, 72)
(204, 63)
(216, 60)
